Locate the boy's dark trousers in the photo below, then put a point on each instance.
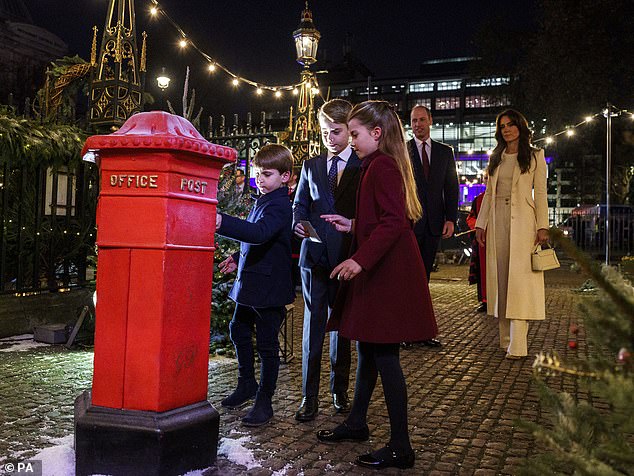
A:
(267, 322)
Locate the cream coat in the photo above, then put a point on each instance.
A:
(529, 212)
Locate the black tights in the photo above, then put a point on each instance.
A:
(375, 359)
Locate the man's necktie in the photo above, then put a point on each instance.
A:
(425, 161)
(332, 175)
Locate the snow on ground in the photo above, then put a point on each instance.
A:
(20, 343)
(198, 472)
(58, 460)
(286, 468)
(235, 452)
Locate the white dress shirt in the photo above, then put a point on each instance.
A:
(341, 164)
(427, 144)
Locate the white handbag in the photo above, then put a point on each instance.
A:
(544, 259)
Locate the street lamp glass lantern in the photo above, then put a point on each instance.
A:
(306, 39)
(163, 80)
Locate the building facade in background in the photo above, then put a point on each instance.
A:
(463, 109)
(26, 50)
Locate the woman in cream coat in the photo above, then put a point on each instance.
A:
(512, 220)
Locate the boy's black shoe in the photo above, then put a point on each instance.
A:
(341, 402)
(482, 307)
(386, 457)
(261, 412)
(245, 391)
(308, 409)
(343, 433)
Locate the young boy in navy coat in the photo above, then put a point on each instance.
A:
(263, 285)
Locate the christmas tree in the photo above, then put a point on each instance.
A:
(239, 205)
(594, 436)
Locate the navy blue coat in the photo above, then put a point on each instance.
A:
(264, 266)
(313, 199)
(439, 194)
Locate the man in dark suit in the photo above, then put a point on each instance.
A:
(438, 190)
(327, 185)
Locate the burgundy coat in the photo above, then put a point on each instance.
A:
(389, 301)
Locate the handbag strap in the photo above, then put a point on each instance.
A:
(538, 247)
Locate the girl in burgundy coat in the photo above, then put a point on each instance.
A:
(381, 303)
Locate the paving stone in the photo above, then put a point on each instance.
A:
(464, 398)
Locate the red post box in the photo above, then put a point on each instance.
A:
(155, 233)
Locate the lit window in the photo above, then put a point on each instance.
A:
(420, 102)
(447, 103)
(448, 85)
(484, 82)
(421, 87)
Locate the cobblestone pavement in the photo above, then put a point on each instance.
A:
(464, 398)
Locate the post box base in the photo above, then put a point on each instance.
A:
(124, 442)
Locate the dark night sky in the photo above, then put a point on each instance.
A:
(253, 38)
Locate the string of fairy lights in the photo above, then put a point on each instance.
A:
(570, 131)
(213, 64)
(186, 41)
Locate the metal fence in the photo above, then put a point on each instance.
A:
(586, 227)
(247, 140)
(47, 230)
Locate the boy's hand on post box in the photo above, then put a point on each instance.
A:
(218, 221)
(228, 266)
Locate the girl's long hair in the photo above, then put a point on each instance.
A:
(525, 149)
(392, 142)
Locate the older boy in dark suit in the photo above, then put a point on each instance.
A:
(263, 285)
(328, 185)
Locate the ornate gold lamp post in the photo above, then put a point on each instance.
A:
(304, 127)
(116, 90)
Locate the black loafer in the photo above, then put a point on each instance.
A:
(343, 433)
(308, 409)
(387, 458)
(341, 402)
(482, 307)
(431, 343)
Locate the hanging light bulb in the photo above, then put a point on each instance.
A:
(570, 132)
(211, 67)
(549, 140)
(278, 94)
(588, 118)
(235, 81)
(182, 43)
(259, 91)
(295, 91)
(153, 11)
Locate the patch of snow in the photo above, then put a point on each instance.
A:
(21, 346)
(58, 460)
(235, 452)
(20, 337)
(284, 470)
(197, 472)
